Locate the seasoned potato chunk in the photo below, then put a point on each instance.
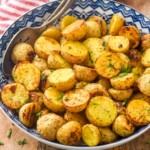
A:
(27, 114)
(76, 101)
(80, 85)
(146, 58)
(138, 112)
(118, 44)
(104, 82)
(108, 65)
(48, 125)
(63, 79)
(44, 45)
(145, 42)
(75, 31)
(122, 81)
(69, 133)
(90, 135)
(14, 95)
(56, 61)
(84, 73)
(53, 100)
(74, 52)
(132, 33)
(122, 126)
(116, 23)
(27, 74)
(101, 111)
(125, 60)
(22, 52)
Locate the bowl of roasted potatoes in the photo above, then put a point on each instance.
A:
(85, 82)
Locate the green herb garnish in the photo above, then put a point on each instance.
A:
(60, 96)
(125, 102)
(43, 76)
(148, 142)
(1, 143)
(38, 114)
(111, 65)
(9, 133)
(126, 70)
(122, 74)
(22, 142)
(66, 98)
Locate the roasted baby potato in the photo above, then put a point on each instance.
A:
(27, 114)
(108, 64)
(27, 74)
(146, 58)
(75, 31)
(14, 95)
(101, 111)
(80, 85)
(122, 126)
(74, 52)
(53, 100)
(145, 42)
(116, 23)
(63, 79)
(120, 95)
(44, 45)
(76, 101)
(132, 33)
(22, 52)
(69, 133)
(138, 112)
(90, 135)
(56, 61)
(84, 73)
(104, 82)
(125, 60)
(48, 125)
(118, 44)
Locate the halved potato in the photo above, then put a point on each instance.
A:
(27, 74)
(104, 82)
(63, 79)
(101, 111)
(80, 85)
(75, 31)
(125, 60)
(69, 133)
(76, 101)
(106, 38)
(146, 58)
(90, 135)
(14, 95)
(145, 42)
(27, 114)
(74, 52)
(132, 33)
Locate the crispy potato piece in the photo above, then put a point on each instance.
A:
(93, 29)
(56, 61)
(125, 60)
(146, 58)
(132, 33)
(90, 135)
(69, 133)
(80, 85)
(138, 112)
(74, 52)
(53, 100)
(80, 117)
(84, 73)
(106, 38)
(44, 45)
(146, 71)
(27, 74)
(75, 31)
(96, 89)
(108, 64)
(43, 112)
(101, 22)
(122, 126)
(101, 111)
(76, 101)
(118, 44)
(120, 95)
(52, 32)
(66, 20)
(116, 23)
(63, 79)
(123, 81)
(48, 125)
(145, 42)
(96, 47)
(40, 63)
(107, 135)
(88, 61)
(27, 114)
(104, 82)
(14, 95)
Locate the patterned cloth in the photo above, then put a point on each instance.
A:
(11, 10)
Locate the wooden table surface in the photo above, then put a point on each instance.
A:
(11, 144)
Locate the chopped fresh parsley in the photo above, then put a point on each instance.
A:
(1, 143)
(111, 65)
(125, 102)
(122, 74)
(126, 70)
(38, 114)
(66, 98)
(9, 133)
(22, 142)
(43, 77)
(60, 96)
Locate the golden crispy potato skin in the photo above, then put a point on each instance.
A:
(101, 111)
(145, 42)
(14, 95)
(69, 133)
(48, 125)
(90, 135)
(146, 58)
(138, 112)
(104, 82)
